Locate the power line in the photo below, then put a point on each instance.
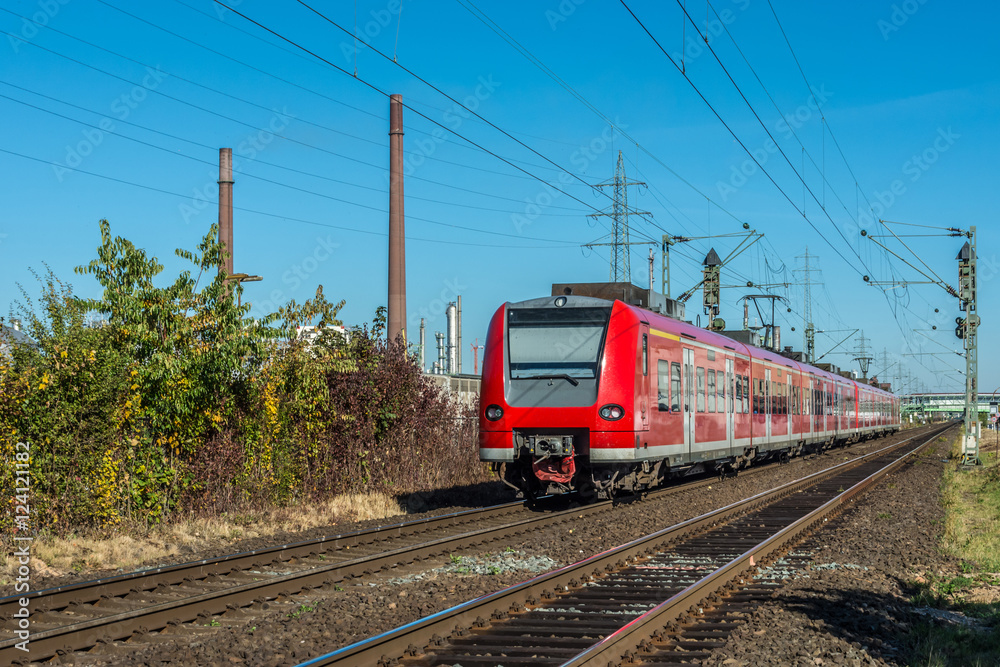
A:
(439, 91)
(275, 165)
(386, 94)
(285, 217)
(524, 51)
(239, 99)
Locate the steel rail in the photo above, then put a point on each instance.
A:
(406, 640)
(90, 591)
(116, 626)
(691, 601)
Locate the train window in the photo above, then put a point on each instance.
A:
(555, 341)
(732, 390)
(662, 385)
(722, 392)
(700, 401)
(645, 354)
(746, 394)
(675, 387)
(711, 390)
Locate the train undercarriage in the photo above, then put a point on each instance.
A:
(556, 468)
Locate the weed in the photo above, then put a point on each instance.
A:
(302, 609)
(884, 515)
(494, 570)
(455, 559)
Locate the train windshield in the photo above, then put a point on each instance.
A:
(550, 342)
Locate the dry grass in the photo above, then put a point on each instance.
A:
(132, 547)
(972, 500)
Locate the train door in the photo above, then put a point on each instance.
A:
(789, 408)
(689, 404)
(767, 404)
(728, 401)
(644, 401)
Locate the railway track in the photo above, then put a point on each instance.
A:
(79, 616)
(635, 599)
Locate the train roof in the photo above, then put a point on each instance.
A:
(690, 331)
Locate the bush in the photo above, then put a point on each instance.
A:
(177, 401)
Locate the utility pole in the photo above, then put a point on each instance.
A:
(863, 358)
(808, 328)
(621, 258)
(966, 330)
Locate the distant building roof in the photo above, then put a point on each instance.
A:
(9, 336)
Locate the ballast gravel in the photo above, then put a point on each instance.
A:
(847, 609)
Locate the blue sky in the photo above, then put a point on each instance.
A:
(117, 110)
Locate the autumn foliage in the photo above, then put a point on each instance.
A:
(178, 401)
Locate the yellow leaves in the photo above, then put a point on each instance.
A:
(45, 381)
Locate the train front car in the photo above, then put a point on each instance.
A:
(558, 381)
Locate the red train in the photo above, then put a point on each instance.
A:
(585, 394)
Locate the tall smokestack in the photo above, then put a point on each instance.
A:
(396, 317)
(458, 345)
(226, 207)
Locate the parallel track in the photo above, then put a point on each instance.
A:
(78, 616)
(593, 612)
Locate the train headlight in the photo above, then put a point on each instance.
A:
(612, 412)
(494, 412)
